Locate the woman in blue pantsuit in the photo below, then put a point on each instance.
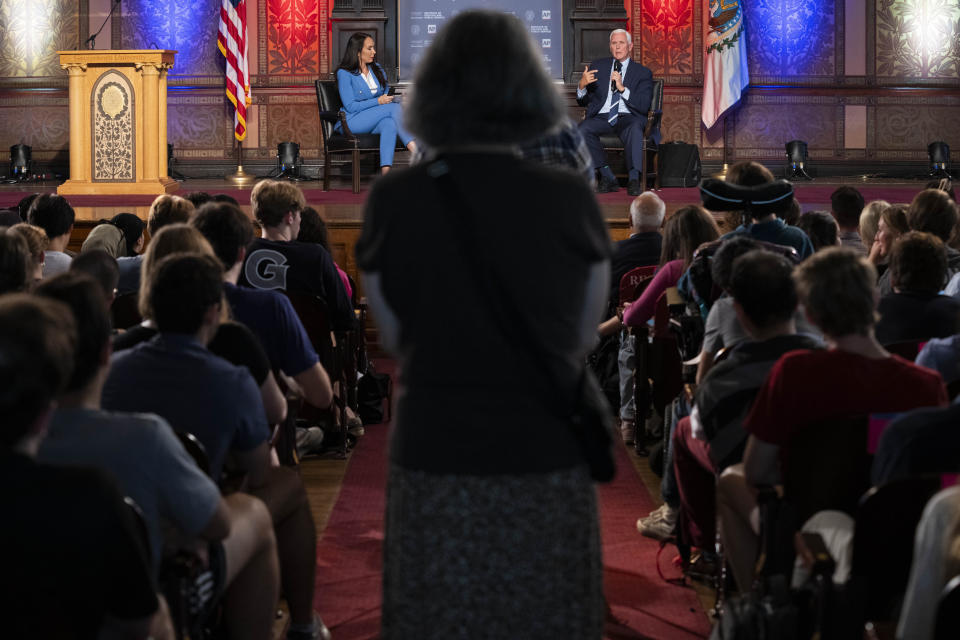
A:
(363, 91)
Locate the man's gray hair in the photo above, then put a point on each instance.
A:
(501, 97)
(647, 211)
(626, 33)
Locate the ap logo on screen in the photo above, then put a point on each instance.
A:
(545, 43)
(431, 28)
(545, 14)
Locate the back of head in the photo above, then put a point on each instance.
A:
(918, 263)
(647, 211)
(945, 185)
(895, 218)
(870, 220)
(52, 213)
(105, 237)
(846, 204)
(198, 198)
(100, 266)
(181, 290)
(821, 228)
(793, 212)
(168, 209)
(836, 287)
(37, 241)
(762, 284)
(933, 211)
(37, 341)
(174, 238)
(132, 228)
(226, 228)
(225, 197)
(313, 228)
(272, 200)
(23, 207)
(501, 97)
(748, 173)
(83, 295)
(14, 261)
(732, 248)
(684, 231)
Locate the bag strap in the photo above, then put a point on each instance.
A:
(499, 303)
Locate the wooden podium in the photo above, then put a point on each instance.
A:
(118, 122)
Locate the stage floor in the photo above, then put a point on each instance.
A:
(341, 205)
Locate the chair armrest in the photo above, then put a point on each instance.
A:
(653, 120)
(330, 116)
(343, 124)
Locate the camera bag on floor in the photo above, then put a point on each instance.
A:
(679, 164)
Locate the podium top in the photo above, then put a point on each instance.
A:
(117, 56)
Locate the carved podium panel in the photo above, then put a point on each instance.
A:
(118, 122)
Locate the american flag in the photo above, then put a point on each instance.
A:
(232, 42)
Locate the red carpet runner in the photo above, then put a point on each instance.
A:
(349, 556)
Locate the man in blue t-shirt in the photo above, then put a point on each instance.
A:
(175, 376)
(278, 261)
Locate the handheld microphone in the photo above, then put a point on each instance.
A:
(617, 66)
(92, 40)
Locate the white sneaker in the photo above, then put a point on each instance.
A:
(663, 528)
(655, 515)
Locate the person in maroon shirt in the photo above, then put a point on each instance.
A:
(855, 376)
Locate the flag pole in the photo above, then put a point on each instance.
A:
(241, 178)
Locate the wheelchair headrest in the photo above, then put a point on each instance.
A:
(772, 197)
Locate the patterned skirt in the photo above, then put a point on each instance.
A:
(492, 556)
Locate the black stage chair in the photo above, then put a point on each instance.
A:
(613, 143)
(328, 101)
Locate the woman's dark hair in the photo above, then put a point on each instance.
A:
(762, 283)
(351, 62)
(452, 102)
(732, 248)
(14, 261)
(313, 228)
(132, 228)
(685, 231)
(918, 262)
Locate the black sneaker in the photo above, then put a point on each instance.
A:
(633, 188)
(606, 185)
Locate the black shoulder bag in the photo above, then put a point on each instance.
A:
(590, 418)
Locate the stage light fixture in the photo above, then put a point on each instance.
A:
(797, 159)
(288, 160)
(20, 161)
(939, 153)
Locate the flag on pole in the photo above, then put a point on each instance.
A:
(725, 59)
(232, 42)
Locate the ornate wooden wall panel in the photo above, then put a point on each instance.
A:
(901, 128)
(32, 31)
(766, 122)
(41, 122)
(916, 41)
(293, 39)
(668, 36)
(187, 26)
(283, 121)
(794, 41)
(199, 126)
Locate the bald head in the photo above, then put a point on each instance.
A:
(646, 212)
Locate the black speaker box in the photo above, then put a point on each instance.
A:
(679, 164)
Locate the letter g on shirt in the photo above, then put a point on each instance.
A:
(266, 269)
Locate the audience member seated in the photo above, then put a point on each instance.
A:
(932, 211)
(75, 563)
(268, 314)
(9, 217)
(106, 237)
(915, 311)
(769, 227)
(854, 377)
(14, 261)
(943, 356)
(869, 221)
(921, 441)
(891, 224)
(277, 261)
(314, 229)
(23, 207)
(821, 228)
(685, 230)
(55, 216)
(642, 248)
(99, 265)
(143, 454)
(846, 205)
(792, 214)
(232, 341)
(198, 198)
(37, 242)
(723, 329)
(712, 437)
(936, 560)
(175, 376)
(165, 210)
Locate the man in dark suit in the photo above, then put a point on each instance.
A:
(642, 248)
(617, 93)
